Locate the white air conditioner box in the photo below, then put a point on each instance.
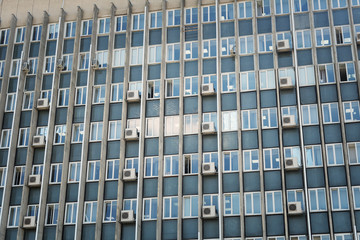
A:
(25, 67)
(60, 64)
(133, 96)
(95, 63)
(288, 121)
(43, 103)
(34, 180)
(207, 89)
(129, 174)
(29, 222)
(131, 134)
(286, 83)
(38, 141)
(208, 128)
(209, 212)
(127, 216)
(283, 45)
(291, 164)
(208, 168)
(294, 208)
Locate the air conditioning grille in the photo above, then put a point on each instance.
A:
(129, 132)
(32, 179)
(286, 120)
(289, 162)
(281, 44)
(206, 88)
(125, 215)
(36, 140)
(206, 126)
(41, 102)
(27, 221)
(283, 80)
(206, 167)
(207, 211)
(131, 94)
(292, 207)
(127, 173)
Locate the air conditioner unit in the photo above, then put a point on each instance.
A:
(131, 134)
(60, 64)
(288, 121)
(233, 51)
(358, 38)
(208, 168)
(42, 103)
(34, 180)
(94, 63)
(294, 208)
(283, 45)
(207, 89)
(129, 174)
(209, 212)
(39, 141)
(291, 164)
(127, 216)
(286, 83)
(29, 222)
(25, 67)
(133, 96)
(208, 128)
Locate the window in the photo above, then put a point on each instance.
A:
(74, 172)
(52, 211)
(110, 211)
(41, 131)
(2, 66)
(251, 160)
(156, 20)
(309, 114)
(102, 58)
(281, 6)
(20, 35)
(354, 153)
(5, 138)
(60, 133)
(207, 79)
(130, 204)
(227, 11)
(133, 123)
(339, 3)
(287, 72)
(252, 203)
(2, 176)
(46, 94)
(190, 206)
(93, 171)
(267, 79)
(132, 163)
(67, 62)
(317, 199)
(36, 33)
(172, 88)
(229, 121)
(77, 133)
(84, 59)
(301, 6)
(37, 169)
(313, 156)
(263, 8)
(172, 125)
(153, 89)
(306, 76)
(150, 208)
(137, 85)
(170, 207)
(70, 29)
(231, 204)
(348, 236)
(114, 130)
(269, 118)
(191, 50)
(351, 111)
(15, 68)
(228, 82)
(70, 213)
(286, 111)
(191, 86)
(245, 9)
(273, 202)
(334, 153)
(319, 5)
(49, 65)
(173, 17)
(209, 48)
(86, 27)
(173, 52)
(293, 152)
(296, 196)
(339, 198)
(171, 165)
(112, 169)
(191, 124)
(211, 200)
(322, 37)
(90, 209)
(138, 21)
(53, 31)
(119, 58)
(63, 99)
(155, 54)
(33, 210)
(356, 194)
(249, 119)
(104, 25)
(342, 34)
(136, 55)
(23, 140)
(209, 14)
(326, 74)
(14, 215)
(117, 92)
(303, 39)
(121, 24)
(19, 174)
(80, 95)
(227, 46)
(191, 15)
(246, 45)
(265, 43)
(152, 127)
(211, 158)
(284, 36)
(330, 113)
(55, 173)
(347, 72)
(10, 102)
(247, 81)
(271, 159)
(231, 161)
(210, 117)
(99, 94)
(151, 166)
(355, 2)
(191, 164)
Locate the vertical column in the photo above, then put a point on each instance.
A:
(85, 144)
(69, 121)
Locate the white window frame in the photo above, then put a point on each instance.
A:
(272, 155)
(55, 173)
(190, 206)
(121, 24)
(36, 33)
(249, 116)
(49, 64)
(191, 12)
(86, 27)
(332, 151)
(19, 176)
(70, 29)
(23, 140)
(231, 210)
(173, 52)
(354, 152)
(209, 48)
(191, 124)
(136, 55)
(80, 94)
(273, 199)
(335, 194)
(253, 157)
(114, 130)
(153, 89)
(190, 164)
(243, 11)
(318, 195)
(84, 60)
(15, 68)
(93, 171)
(227, 46)
(5, 138)
(152, 127)
(74, 172)
(63, 97)
(303, 39)
(232, 159)
(110, 216)
(112, 169)
(252, 200)
(77, 133)
(59, 134)
(174, 19)
(14, 216)
(53, 31)
(170, 203)
(265, 43)
(247, 81)
(322, 32)
(246, 45)
(268, 116)
(351, 111)
(70, 209)
(208, 14)
(20, 34)
(330, 107)
(229, 121)
(138, 21)
(67, 62)
(119, 57)
(54, 214)
(117, 92)
(307, 112)
(91, 217)
(103, 25)
(155, 54)
(154, 167)
(313, 161)
(172, 125)
(99, 94)
(155, 20)
(150, 203)
(191, 50)
(228, 79)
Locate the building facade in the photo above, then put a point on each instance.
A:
(181, 120)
